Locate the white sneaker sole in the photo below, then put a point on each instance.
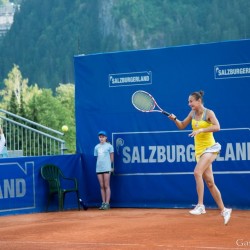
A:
(193, 213)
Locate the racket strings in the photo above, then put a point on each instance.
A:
(143, 102)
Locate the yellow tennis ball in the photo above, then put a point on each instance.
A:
(65, 128)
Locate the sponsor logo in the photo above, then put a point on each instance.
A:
(163, 152)
(17, 191)
(130, 79)
(232, 71)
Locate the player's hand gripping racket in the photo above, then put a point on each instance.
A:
(145, 102)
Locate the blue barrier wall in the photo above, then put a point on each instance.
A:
(154, 161)
(22, 189)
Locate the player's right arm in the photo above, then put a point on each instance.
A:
(181, 124)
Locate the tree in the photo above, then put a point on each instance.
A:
(40, 105)
(47, 34)
(13, 105)
(15, 87)
(65, 94)
(3, 2)
(55, 111)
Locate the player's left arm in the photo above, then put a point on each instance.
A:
(211, 118)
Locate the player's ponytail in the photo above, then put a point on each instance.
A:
(198, 95)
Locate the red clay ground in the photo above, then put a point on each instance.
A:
(125, 229)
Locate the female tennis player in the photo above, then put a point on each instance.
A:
(204, 123)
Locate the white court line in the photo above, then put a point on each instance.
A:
(217, 248)
(116, 244)
(70, 243)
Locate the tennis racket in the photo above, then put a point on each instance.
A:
(145, 102)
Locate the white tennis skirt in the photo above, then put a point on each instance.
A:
(216, 148)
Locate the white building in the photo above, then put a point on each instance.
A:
(7, 12)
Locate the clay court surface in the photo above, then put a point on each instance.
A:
(125, 229)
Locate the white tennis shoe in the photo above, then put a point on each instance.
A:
(226, 214)
(199, 209)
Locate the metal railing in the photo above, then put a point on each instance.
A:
(27, 138)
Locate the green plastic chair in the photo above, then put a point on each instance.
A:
(56, 181)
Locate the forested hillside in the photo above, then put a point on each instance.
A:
(46, 34)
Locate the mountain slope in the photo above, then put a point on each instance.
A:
(47, 34)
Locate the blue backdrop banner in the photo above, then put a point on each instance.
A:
(154, 161)
(22, 189)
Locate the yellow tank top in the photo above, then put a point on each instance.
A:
(202, 140)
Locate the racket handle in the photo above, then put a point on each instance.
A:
(165, 113)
